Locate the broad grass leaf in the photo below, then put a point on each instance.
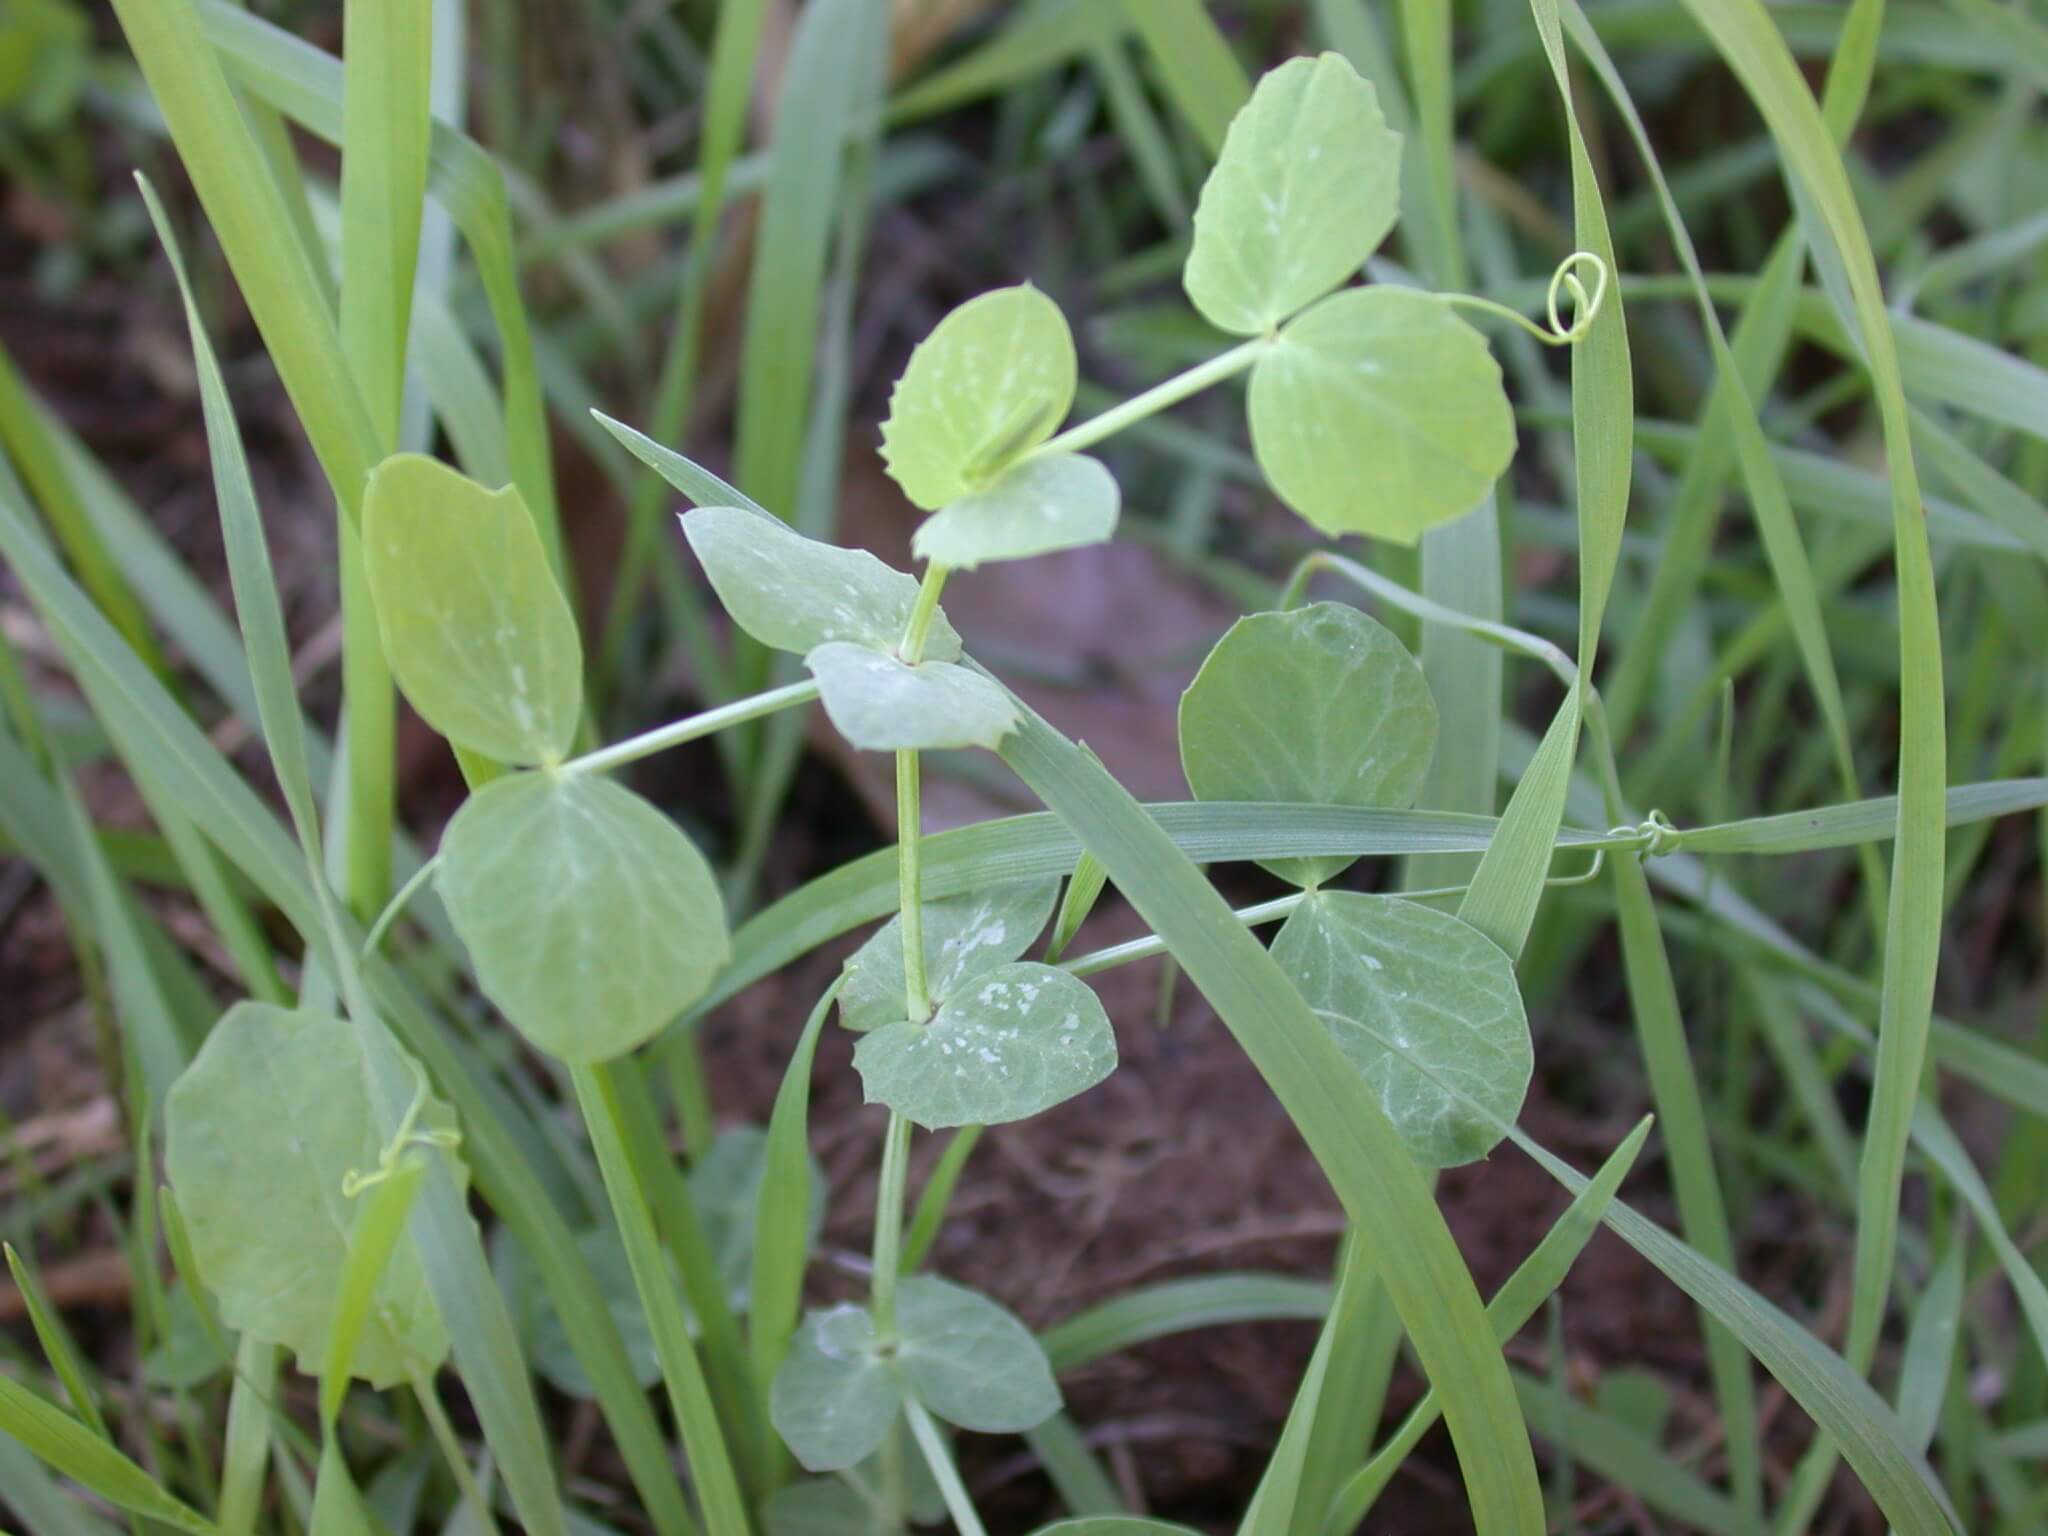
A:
(725, 1184)
(1307, 186)
(969, 1360)
(1318, 705)
(836, 1395)
(795, 594)
(964, 937)
(479, 634)
(882, 704)
(992, 381)
(1425, 1006)
(1041, 504)
(1008, 1045)
(46, 1434)
(592, 920)
(262, 1129)
(1380, 412)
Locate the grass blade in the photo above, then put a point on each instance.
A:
(74, 1450)
(1202, 76)
(710, 1467)
(1384, 1190)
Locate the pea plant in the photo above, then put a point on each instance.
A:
(321, 1150)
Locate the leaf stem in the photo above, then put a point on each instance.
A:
(1169, 392)
(944, 1473)
(889, 1195)
(921, 612)
(1506, 636)
(690, 727)
(398, 904)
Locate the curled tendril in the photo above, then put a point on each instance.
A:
(408, 1135)
(1565, 282)
(1653, 836)
(1585, 306)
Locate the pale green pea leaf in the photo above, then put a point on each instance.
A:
(1307, 186)
(1011, 1043)
(882, 704)
(795, 594)
(262, 1128)
(1380, 412)
(1045, 503)
(1318, 705)
(479, 635)
(726, 1185)
(592, 920)
(188, 1355)
(835, 1396)
(970, 1361)
(965, 937)
(1113, 1525)
(992, 381)
(829, 1506)
(1425, 1006)
(823, 1506)
(547, 1340)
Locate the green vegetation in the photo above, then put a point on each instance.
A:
(1775, 547)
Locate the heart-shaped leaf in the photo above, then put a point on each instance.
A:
(1379, 411)
(964, 937)
(1318, 705)
(971, 1361)
(965, 1358)
(592, 920)
(1307, 186)
(1006, 1046)
(262, 1129)
(795, 594)
(829, 1506)
(837, 1392)
(1425, 1006)
(824, 1506)
(882, 704)
(477, 630)
(994, 379)
(1041, 504)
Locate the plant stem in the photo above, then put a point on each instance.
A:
(1156, 399)
(690, 727)
(909, 887)
(917, 999)
(452, 1452)
(958, 1504)
(889, 1223)
(909, 877)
